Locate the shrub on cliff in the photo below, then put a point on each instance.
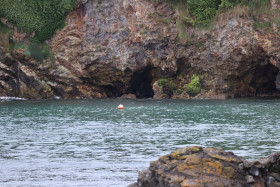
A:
(5, 34)
(43, 17)
(203, 10)
(194, 87)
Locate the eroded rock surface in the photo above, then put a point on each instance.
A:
(201, 167)
(264, 171)
(110, 48)
(194, 166)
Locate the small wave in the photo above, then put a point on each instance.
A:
(11, 98)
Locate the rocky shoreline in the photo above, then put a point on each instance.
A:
(200, 167)
(111, 48)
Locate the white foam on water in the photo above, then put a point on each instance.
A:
(4, 98)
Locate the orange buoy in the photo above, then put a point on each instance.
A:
(120, 107)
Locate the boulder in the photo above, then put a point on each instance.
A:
(194, 166)
(197, 166)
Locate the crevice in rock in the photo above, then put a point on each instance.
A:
(184, 68)
(141, 83)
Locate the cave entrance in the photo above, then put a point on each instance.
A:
(112, 91)
(258, 81)
(141, 84)
(263, 80)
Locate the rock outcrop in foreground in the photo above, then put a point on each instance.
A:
(198, 166)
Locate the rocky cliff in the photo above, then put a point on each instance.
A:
(110, 48)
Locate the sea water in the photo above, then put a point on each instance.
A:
(92, 143)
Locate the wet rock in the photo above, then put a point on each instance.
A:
(254, 171)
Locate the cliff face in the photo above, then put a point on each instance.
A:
(109, 48)
(115, 46)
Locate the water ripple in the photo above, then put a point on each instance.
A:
(91, 143)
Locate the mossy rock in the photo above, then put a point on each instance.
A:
(194, 87)
(196, 166)
(167, 85)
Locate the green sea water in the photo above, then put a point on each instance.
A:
(92, 143)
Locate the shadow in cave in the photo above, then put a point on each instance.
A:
(141, 84)
(263, 80)
(112, 91)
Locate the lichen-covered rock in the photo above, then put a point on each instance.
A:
(194, 166)
(202, 167)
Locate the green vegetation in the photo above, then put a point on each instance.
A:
(168, 85)
(183, 20)
(203, 10)
(263, 16)
(262, 24)
(182, 34)
(5, 34)
(196, 12)
(43, 17)
(39, 51)
(200, 13)
(194, 87)
(255, 4)
(226, 4)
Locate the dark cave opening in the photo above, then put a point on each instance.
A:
(141, 84)
(263, 80)
(114, 90)
(258, 81)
